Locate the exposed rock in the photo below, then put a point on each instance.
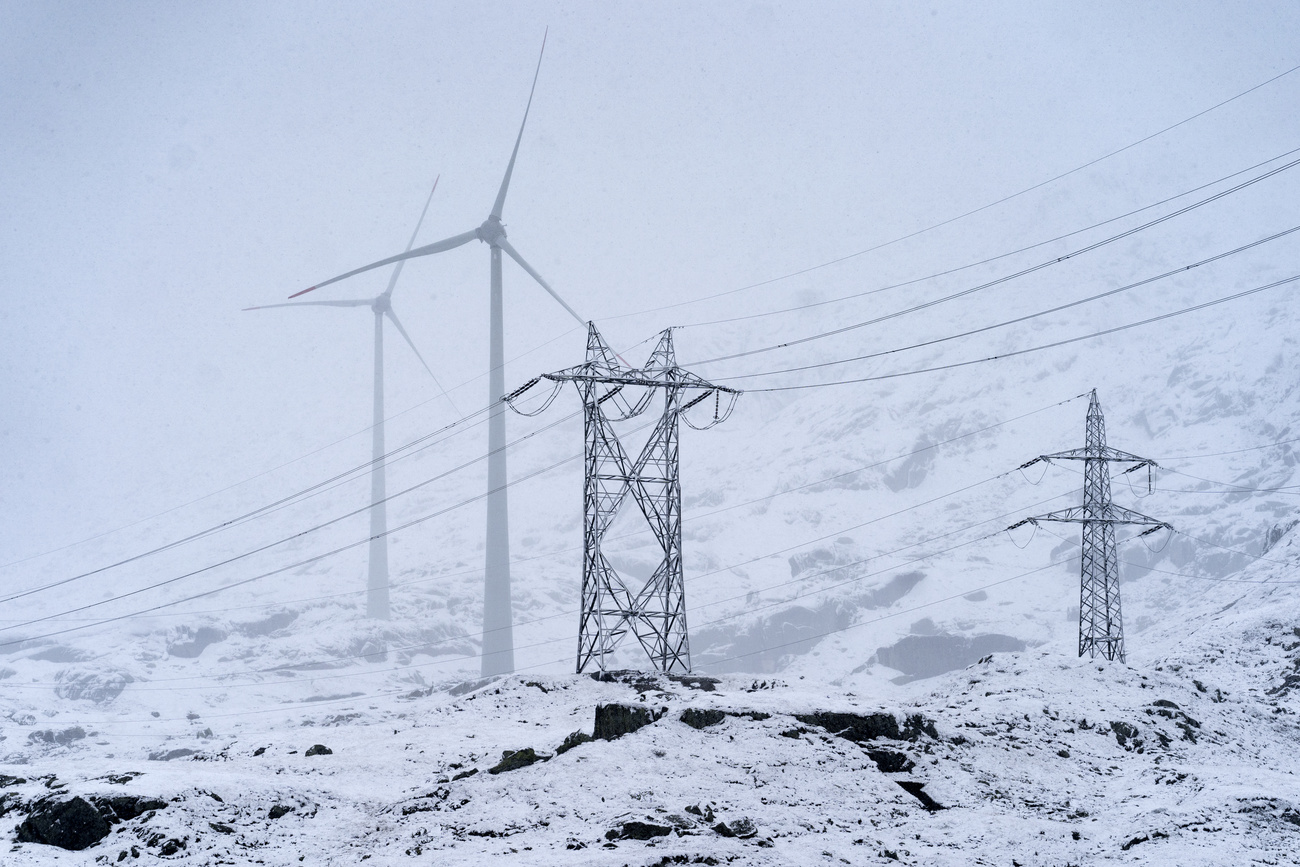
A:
(705, 813)
(62, 654)
(638, 831)
(859, 728)
(97, 686)
(279, 811)
(921, 656)
(274, 623)
(123, 779)
(192, 643)
(319, 750)
(575, 739)
(615, 720)
(513, 760)
(171, 847)
(917, 790)
(890, 762)
(167, 756)
(470, 686)
(702, 719)
(1125, 733)
(221, 828)
(63, 738)
(643, 681)
(742, 828)
(6, 781)
(124, 808)
(73, 824)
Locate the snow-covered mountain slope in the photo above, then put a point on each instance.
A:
(1033, 757)
(844, 543)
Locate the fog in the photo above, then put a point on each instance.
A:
(165, 165)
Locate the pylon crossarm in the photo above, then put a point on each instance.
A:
(1144, 465)
(1111, 515)
(1121, 515)
(1105, 453)
(509, 399)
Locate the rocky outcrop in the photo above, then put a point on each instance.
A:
(513, 760)
(859, 727)
(74, 824)
(615, 720)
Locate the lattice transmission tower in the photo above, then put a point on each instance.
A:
(656, 612)
(1101, 622)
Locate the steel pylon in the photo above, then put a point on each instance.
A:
(656, 612)
(1101, 621)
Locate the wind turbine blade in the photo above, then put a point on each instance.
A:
(427, 250)
(402, 331)
(510, 168)
(392, 281)
(358, 303)
(514, 254)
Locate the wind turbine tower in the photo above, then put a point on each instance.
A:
(498, 655)
(382, 305)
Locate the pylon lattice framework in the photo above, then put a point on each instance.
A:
(656, 613)
(1101, 622)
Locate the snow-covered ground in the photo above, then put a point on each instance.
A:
(1039, 758)
(835, 563)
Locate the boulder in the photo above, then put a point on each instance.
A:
(742, 828)
(702, 719)
(319, 750)
(513, 760)
(615, 720)
(124, 808)
(73, 824)
(868, 727)
(638, 831)
(574, 739)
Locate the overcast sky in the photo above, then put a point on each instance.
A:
(164, 165)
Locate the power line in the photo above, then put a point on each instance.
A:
(1007, 277)
(306, 562)
(1051, 345)
(1203, 577)
(1233, 550)
(950, 220)
(989, 259)
(1234, 452)
(278, 467)
(747, 562)
(1241, 489)
(1019, 319)
(300, 496)
(694, 517)
(470, 636)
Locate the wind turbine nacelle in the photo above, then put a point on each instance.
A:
(492, 232)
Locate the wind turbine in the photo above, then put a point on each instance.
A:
(498, 638)
(382, 305)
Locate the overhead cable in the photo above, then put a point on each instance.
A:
(1027, 317)
(970, 213)
(912, 282)
(1006, 277)
(1039, 348)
